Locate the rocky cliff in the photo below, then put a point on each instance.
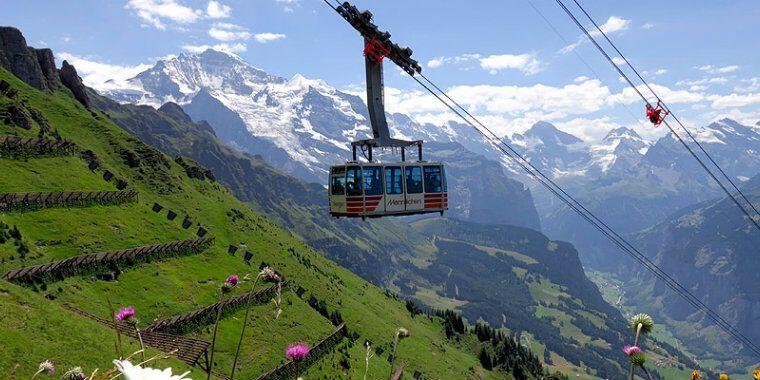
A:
(37, 67)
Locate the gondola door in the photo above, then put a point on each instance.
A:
(354, 191)
(415, 195)
(373, 190)
(394, 189)
(338, 190)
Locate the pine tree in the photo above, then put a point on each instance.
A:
(485, 359)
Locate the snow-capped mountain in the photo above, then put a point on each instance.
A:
(652, 186)
(553, 151)
(619, 151)
(300, 125)
(178, 79)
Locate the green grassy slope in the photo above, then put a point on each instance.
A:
(36, 327)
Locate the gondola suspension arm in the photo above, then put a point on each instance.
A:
(377, 46)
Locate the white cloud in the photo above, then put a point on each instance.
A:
(435, 63)
(648, 25)
(581, 78)
(710, 69)
(411, 102)
(701, 84)
(263, 38)
(736, 100)
(618, 61)
(572, 99)
(655, 73)
(289, 5)
(226, 32)
(748, 85)
(527, 63)
(155, 12)
(514, 107)
(215, 9)
(225, 47)
(750, 118)
(629, 96)
(590, 129)
(102, 76)
(613, 25)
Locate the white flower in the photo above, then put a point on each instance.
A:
(135, 372)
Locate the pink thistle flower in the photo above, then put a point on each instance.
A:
(127, 314)
(297, 351)
(230, 283)
(47, 367)
(630, 350)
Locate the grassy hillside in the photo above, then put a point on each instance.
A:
(36, 327)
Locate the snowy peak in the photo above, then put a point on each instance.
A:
(620, 150)
(726, 131)
(548, 134)
(178, 79)
(622, 133)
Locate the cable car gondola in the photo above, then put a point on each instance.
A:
(373, 189)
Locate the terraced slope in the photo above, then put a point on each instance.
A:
(34, 325)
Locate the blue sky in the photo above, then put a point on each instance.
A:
(500, 58)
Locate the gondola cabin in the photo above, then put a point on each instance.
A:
(373, 190)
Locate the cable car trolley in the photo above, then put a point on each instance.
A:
(372, 189)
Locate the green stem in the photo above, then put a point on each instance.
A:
(636, 343)
(36, 373)
(142, 346)
(649, 376)
(115, 327)
(393, 356)
(242, 331)
(213, 339)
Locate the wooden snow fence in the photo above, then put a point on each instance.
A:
(105, 261)
(37, 200)
(188, 350)
(294, 368)
(183, 323)
(24, 147)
